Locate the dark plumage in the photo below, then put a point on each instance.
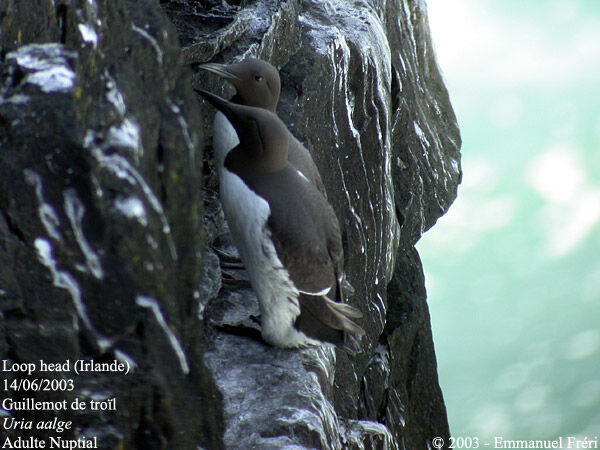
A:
(302, 228)
(258, 84)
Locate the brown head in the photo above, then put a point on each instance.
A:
(264, 138)
(257, 82)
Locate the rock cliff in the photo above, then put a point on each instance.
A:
(113, 243)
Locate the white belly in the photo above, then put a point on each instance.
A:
(247, 216)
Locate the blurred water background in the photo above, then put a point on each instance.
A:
(513, 269)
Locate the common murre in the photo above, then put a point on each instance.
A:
(287, 234)
(258, 84)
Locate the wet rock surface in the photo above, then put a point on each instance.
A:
(114, 245)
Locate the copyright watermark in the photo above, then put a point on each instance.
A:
(563, 442)
(437, 442)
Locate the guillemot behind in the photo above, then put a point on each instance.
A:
(287, 234)
(258, 84)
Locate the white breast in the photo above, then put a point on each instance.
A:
(247, 215)
(224, 138)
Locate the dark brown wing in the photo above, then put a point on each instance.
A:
(301, 159)
(306, 235)
(303, 228)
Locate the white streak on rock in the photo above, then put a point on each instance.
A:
(47, 214)
(75, 211)
(421, 135)
(184, 128)
(132, 208)
(126, 135)
(121, 168)
(62, 279)
(114, 96)
(17, 99)
(88, 34)
(153, 42)
(117, 165)
(47, 66)
(152, 304)
(125, 359)
(55, 79)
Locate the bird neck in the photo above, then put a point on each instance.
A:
(243, 159)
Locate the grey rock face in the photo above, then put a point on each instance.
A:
(101, 221)
(114, 244)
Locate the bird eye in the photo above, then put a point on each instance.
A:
(257, 77)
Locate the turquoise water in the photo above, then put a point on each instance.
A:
(513, 270)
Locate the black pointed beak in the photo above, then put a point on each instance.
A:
(220, 70)
(236, 114)
(220, 103)
(245, 119)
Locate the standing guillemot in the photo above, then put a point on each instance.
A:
(287, 234)
(258, 84)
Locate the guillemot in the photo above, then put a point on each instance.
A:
(287, 234)
(258, 84)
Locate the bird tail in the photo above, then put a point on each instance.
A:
(326, 320)
(344, 313)
(351, 331)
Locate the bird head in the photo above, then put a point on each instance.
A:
(257, 82)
